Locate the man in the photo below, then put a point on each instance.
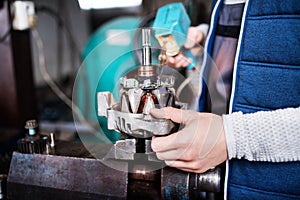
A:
(256, 79)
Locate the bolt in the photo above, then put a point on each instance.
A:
(31, 125)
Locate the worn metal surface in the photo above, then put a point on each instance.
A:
(149, 152)
(81, 175)
(144, 181)
(145, 190)
(177, 184)
(209, 181)
(127, 149)
(37, 176)
(124, 149)
(174, 184)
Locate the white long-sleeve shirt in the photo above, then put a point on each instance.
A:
(264, 136)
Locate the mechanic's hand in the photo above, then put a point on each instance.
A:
(194, 38)
(199, 146)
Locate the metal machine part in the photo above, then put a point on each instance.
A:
(33, 141)
(40, 176)
(189, 185)
(131, 117)
(134, 124)
(138, 96)
(73, 173)
(147, 71)
(146, 47)
(127, 149)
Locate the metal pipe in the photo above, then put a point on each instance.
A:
(146, 70)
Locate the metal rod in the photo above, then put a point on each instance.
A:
(146, 47)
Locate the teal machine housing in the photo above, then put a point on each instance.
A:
(172, 19)
(171, 26)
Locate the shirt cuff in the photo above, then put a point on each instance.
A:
(229, 135)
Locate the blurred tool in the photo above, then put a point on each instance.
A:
(171, 25)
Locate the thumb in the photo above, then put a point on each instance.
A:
(174, 114)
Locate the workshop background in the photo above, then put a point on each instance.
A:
(66, 31)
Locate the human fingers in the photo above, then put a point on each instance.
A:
(195, 167)
(174, 114)
(170, 61)
(175, 153)
(194, 36)
(164, 144)
(178, 61)
(171, 154)
(182, 61)
(184, 144)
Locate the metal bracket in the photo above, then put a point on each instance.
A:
(137, 125)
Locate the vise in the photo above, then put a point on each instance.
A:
(69, 171)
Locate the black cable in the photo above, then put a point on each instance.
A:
(73, 47)
(75, 52)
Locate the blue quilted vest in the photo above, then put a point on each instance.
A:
(266, 77)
